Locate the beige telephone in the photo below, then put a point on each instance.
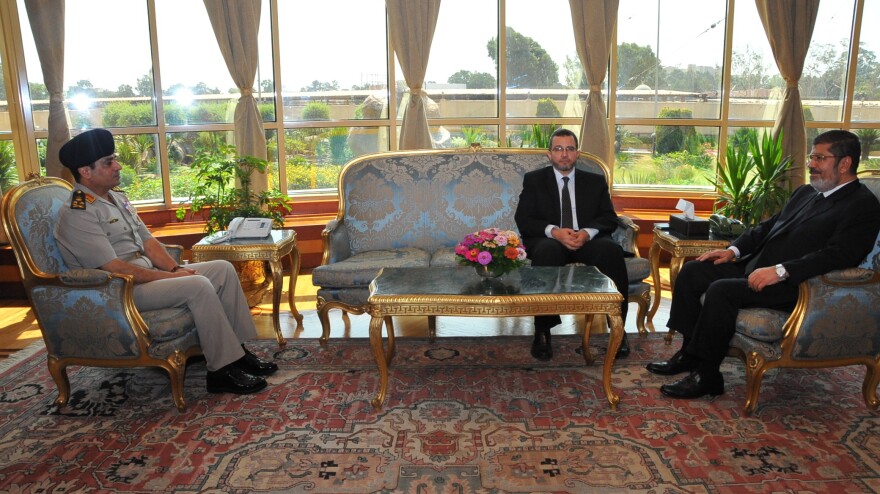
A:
(245, 228)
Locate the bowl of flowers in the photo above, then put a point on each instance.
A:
(492, 252)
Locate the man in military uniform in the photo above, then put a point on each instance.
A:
(101, 230)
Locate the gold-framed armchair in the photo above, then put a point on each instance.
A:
(836, 322)
(87, 317)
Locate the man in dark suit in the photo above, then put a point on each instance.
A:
(827, 225)
(565, 215)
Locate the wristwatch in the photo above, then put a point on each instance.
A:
(781, 272)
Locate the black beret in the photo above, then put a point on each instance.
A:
(87, 148)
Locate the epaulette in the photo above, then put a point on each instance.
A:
(79, 199)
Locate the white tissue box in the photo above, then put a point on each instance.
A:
(681, 225)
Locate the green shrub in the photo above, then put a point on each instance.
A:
(547, 108)
(316, 110)
(671, 138)
(267, 112)
(124, 114)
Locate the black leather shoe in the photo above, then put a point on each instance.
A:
(254, 365)
(623, 349)
(231, 379)
(680, 362)
(694, 386)
(541, 348)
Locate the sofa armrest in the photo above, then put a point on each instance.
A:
(626, 235)
(336, 243)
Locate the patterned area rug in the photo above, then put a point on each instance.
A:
(463, 415)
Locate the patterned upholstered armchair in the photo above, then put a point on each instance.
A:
(87, 317)
(836, 322)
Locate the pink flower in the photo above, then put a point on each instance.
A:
(501, 248)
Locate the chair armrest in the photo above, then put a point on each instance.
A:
(850, 277)
(626, 235)
(175, 251)
(336, 243)
(89, 314)
(835, 317)
(84, 277)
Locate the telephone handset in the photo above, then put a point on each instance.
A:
(245, 228)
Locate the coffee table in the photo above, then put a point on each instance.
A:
(459, 291)
(273, 248)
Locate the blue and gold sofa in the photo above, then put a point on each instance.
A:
(410, 209)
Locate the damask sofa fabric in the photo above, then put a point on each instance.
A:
(410, 209)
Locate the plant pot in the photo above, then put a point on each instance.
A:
(255, 280)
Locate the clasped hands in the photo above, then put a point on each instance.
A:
(758, 279)
(571, 239)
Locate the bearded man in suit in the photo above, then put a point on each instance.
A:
(565, 215)
(827, 225)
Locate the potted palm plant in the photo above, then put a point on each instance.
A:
(751, 187)
(223, 190)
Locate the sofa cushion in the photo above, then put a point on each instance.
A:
(444, 257)
(360, 269)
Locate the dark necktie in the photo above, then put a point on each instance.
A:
(567, 220)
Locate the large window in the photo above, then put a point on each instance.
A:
(329, 89)
(8, 168)
(544, 77)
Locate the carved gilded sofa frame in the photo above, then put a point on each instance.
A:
(87, 317)
(836, 322)
(410, 208)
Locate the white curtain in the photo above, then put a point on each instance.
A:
(789, 27)
(236, 24)
(593, 22)
(47, 23)
(412, 25)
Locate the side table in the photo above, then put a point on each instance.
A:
(272, 249)
(680, 247)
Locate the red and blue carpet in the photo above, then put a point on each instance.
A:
(463, 415)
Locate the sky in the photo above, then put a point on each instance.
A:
(111, 36)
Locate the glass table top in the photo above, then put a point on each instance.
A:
(528, 280)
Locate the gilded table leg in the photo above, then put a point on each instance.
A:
(294, 272)
(277, 284)
(613, 344)
(585, 344)
(674, 267)
(389, 328)
(379, 356)
(654, 257)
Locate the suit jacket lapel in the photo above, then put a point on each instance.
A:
(553, 191)
(815, 209)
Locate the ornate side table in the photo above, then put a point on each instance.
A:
(272, 249)
(680, 247)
